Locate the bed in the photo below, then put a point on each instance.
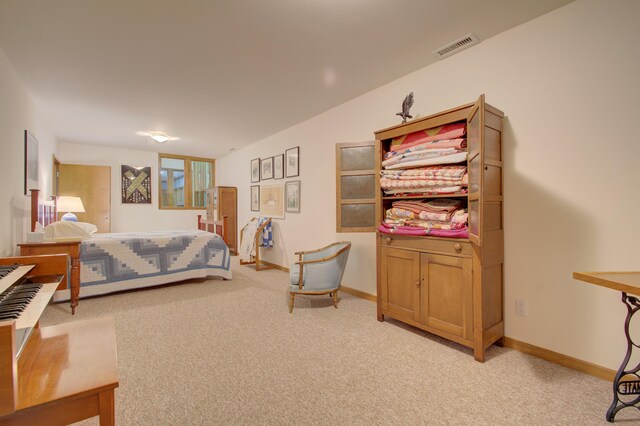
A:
(108, 263)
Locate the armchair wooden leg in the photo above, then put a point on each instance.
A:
(291, 296)
(335, 299)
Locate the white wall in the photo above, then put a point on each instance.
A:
(130, 217)
(17, 114)
(567, 83)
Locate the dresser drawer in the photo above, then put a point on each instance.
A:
(427, 244)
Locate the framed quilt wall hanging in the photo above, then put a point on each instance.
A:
(136, 185)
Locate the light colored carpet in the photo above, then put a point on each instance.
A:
(229, 352)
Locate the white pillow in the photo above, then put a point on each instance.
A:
(66, 230)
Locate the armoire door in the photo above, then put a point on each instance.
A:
(400, 279)
(93, 185)
(446, 299)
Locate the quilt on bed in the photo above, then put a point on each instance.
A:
(115, 262)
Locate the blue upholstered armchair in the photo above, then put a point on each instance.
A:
(319, 271)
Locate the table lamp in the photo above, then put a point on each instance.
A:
(70, 205)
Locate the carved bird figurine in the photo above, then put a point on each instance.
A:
(406, 106)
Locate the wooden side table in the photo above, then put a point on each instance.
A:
(70, 248)
(626, 384)
(67, 373)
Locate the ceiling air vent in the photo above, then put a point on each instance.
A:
(456, 46)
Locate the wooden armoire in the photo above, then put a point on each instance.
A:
(452, 287)
(223, 201)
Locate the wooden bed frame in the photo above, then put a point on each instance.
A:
(46, 214)
(216, 226)
(42, 213)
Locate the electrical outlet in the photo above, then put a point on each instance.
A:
(521, 307)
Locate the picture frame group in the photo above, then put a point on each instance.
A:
(276, 167)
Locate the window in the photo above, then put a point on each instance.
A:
(356, 187)
(184, 181)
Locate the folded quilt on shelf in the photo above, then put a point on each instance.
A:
(411, 230)
(450, 172)
(429, 159)
(427, 191)
(457, 144)
(444, 214)
(396, 213)
(447, 205)
(386, 183)
(448, 131)
(457, 220)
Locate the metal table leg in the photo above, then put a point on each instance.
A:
(626, 384)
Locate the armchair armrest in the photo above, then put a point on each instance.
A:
(301, 254)
(324, 259)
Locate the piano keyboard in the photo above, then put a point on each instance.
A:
(16, 298)
(11, 274)
(23, 298)
(6, 269)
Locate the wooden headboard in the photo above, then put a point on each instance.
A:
(43, 213)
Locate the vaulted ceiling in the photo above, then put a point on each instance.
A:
(223, 74)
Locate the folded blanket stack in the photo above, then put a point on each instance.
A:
(448, 131)
(423, 162)
(427, 162)
(441, 217)
(431, 179)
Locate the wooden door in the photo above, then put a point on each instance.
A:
(446, 297)
(400, 282)
(227, 203)
(93, 185)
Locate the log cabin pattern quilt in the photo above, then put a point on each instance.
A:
(122, 261)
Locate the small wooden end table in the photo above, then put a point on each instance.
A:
(626, 384)
(70, 248)
(67, 373)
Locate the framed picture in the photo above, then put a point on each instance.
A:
(136, 185)
(272, 201)
(292, 190)
(255, 170)
(255, 198)
(266, 168)
(30, 162)
(292, 162)
(278, 166)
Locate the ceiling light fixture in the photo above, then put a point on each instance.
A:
(160, 137)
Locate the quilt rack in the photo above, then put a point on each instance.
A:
(256, 258)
